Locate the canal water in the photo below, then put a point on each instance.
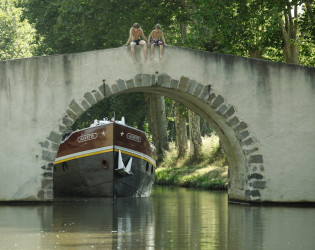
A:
(172, 218)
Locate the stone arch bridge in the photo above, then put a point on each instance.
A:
(263, 112)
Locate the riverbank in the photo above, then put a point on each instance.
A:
(208, 171)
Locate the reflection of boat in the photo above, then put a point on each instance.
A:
(108, 158)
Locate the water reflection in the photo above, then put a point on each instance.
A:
(173, 218)
(271, 227)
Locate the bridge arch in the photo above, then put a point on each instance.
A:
(262, 112)
(246, 177)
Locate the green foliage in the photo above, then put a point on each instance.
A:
(207, 172)
(131, 106)
(17, 37)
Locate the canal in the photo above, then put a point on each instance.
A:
(172, 218)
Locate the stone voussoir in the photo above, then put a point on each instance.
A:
(138, 80)
(71, 114)
(183, 83)
(146, 79)
(230, 111)
(114, 88)
(75, 107)
(174, 84)
(205, 93)
(67, 122)
(198, 89)
(105, 90)
(97, 95)
(221, 109)
(258, 184)
(216, 102)
(54, 137)
(85, 105)
(130, 83)
(233, 121)
(191, 86)
(164, 80)
(48, 156)
(90, 98)
(121, 84)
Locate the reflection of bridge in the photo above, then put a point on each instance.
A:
(264, 113)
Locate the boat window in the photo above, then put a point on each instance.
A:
(105, 164)
(152, 169)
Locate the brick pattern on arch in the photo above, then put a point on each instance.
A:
(254, 160)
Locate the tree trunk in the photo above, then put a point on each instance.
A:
(289, 32)
(181, 132)
(194, 134)
(157, 122)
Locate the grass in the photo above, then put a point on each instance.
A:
(208, 171)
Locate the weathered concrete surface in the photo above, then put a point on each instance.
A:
(264, 113)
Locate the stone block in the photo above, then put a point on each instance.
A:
(48, 156)
(105, 90)
(139, 80)
(233, 122)
(174, 84)
(255, 176)
(211, 97)
(121, 84)
(242, 135)
(54, 137)
(62, 129)
(44, 144)
(130, 83)
(146, 79)
(255, 159)
(164, 80)
(240, 127)
(115, 88)
(222, 109)
(76, 108)
(255, 193)
(85, 105)
(258, 184)
(198, 89)
(191, 86)
(183, 83)
(217, 101)
(97, 95)
(47, 183)
(152, 80)
(67, 121)
(248, 141)
(71, 114)
(54, 146)
(249, 151)
(47, 174)
(229, 112)
(90, 98)
(205, 93)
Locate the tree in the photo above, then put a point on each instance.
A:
(157, 122)
(194, 134)
(181, 131)
(17, 38)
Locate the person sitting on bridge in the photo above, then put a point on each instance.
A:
(134, 39)
(156, 37)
